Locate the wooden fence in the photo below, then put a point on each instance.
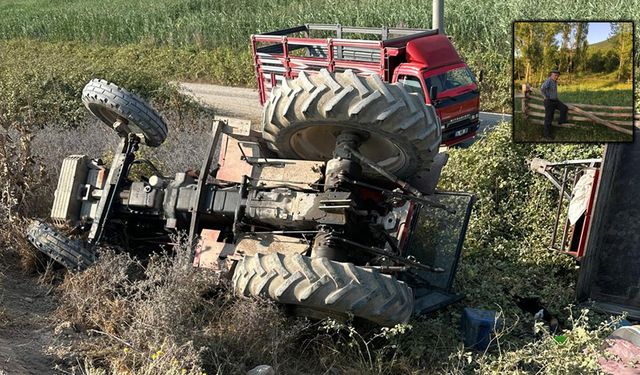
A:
(618, 118)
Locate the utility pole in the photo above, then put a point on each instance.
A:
(437, 17)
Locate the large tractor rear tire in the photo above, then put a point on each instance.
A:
(303, 117)
(325, 287)
(110, 102)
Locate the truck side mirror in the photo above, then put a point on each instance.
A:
(433, 93)
(480, 75)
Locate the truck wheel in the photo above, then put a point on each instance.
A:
(303, 116)
(70, 253)
(109, 102)
(325, 287)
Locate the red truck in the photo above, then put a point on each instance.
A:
(423, 60)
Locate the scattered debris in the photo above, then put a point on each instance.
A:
(65, 328)
(533, 306)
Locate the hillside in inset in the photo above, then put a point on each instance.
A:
(605, 45)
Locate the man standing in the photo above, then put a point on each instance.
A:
(549, 90)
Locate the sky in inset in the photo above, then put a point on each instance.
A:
(598, 31)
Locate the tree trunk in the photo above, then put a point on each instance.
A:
(621, 53)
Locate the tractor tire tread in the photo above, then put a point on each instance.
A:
(321, 285)
(363, 103)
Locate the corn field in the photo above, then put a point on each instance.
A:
(209, 23)
(481, 30)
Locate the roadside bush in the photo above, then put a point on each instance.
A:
(506, 255)
(141, 316)
(575, 351)
(162, 315)
(169, 359)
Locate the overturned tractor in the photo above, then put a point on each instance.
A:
(331, 209)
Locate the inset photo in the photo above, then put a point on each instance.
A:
(573, 81)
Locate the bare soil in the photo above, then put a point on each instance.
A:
(26, 307)
(238, 102)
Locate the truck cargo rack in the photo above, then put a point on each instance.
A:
(280, 54)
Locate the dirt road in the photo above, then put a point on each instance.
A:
(243, 103)
(26, 307)
(228, 101)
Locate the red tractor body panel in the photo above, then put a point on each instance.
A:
(424, 56)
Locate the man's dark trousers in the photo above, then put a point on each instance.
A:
(550, 106)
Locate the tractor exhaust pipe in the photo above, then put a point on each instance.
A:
(437, 17)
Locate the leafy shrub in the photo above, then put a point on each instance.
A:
(575, 351)
(511, 222)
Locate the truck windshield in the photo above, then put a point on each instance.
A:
(450, 80)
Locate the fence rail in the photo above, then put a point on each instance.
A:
(618, 118)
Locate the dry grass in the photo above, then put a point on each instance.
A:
(21, 176)
(184, 148)
(163, 314)
(134, 312)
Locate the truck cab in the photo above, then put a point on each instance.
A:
(435, 71)
(424, 61)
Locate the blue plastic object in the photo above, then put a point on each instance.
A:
(621, 323)
(479, 327)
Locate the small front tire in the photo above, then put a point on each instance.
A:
(110, 103)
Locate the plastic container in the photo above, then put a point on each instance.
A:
(479, 327)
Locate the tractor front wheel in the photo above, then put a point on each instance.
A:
(111, 103)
